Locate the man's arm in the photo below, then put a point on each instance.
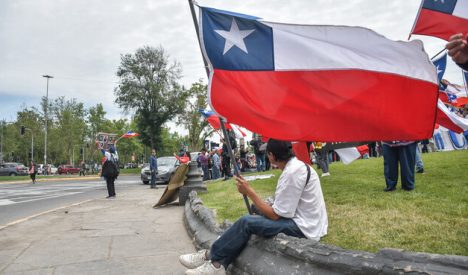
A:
(458, 49)
(244, 188)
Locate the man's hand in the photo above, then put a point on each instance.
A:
(242, 185)
(457, 48)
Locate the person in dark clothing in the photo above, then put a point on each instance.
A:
(110, 168)
(83, 168)
(458, 49)
(203, 158)
(226, 161)
(153, 167)
(32, 171)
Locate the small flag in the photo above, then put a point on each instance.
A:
(442, 18)
(450, 120)
(130, 134)
(213, 119)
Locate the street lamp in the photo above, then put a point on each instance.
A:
(45, 115)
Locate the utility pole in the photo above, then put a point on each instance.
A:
(45, 115)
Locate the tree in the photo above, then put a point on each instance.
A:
(191, 117)
(149, 87)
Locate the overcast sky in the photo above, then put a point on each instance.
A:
(80, 42)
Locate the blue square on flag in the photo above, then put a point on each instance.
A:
(235, 41)
(445, 6)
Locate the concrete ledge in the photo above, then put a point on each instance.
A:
(288, 255)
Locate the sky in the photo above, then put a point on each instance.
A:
(80, 43)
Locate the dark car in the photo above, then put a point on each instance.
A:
(68, 169)
(13, 169)
(166, 168)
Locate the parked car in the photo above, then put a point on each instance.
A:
(166, 168)
(52, 170)
(68, 169)
(13, 169)
(130, 165)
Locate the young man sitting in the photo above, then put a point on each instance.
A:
(298, 210)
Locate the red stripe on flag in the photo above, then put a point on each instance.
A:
(438, 24)
(301, 151)
(341, 105)
(445, 121)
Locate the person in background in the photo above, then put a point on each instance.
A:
(32, 171)
(419, 162)
(83, 168)
(298, 210)
(457, 47)
(216, 164)
(259, 154)
(402, 153)
(153, 167)
(110, 168)
(203, 158)
(322, 158)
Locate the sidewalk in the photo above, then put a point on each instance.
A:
(124, 235)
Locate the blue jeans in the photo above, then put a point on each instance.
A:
(419, 162)
(153, 178)
(439, 142)
(405, 155)
(216, 172)
(226, 249)
(260, 158)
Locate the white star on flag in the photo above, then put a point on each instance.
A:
(437, 68)
(234, 37)
(443, 1)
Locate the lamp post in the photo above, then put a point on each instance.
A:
(45, 115)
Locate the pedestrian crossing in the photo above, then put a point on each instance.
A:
(23, 193)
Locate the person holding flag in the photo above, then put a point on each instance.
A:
(298, 210)
(458, 49)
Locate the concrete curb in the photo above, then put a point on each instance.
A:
(287, 255)
(51, 179)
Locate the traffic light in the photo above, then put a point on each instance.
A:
(81, 151)
(22, 130)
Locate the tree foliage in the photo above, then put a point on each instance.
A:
(191, 118)
(149, 87)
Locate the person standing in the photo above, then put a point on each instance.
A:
(32, 171)
(203, 158)
(83, 168)
(216, 164)
(259, 154)
(322, 158)
(110, 170)
(298, 210)
(401, 153)
(153, 167)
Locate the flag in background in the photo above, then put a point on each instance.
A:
(450, 120)
(442, 18)
(130, 134)
(302, 83)
(465, 79)
(440, 64)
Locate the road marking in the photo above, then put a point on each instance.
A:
(6, 202)
(42, 213)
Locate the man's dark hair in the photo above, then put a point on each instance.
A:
(281, 150)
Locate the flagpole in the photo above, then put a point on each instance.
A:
(441, 51)
(416, 20)
(226, 136)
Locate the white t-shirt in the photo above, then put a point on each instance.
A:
(305, 206)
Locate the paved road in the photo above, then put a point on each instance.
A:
(21, 200)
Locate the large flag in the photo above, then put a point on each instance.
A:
(442, 18)
(320, 83)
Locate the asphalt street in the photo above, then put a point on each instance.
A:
(21, 200)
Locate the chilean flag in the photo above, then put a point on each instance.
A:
(450, 120)
(442, 18)
(130, 134)
(320, 83)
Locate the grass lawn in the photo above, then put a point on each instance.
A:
(433, 218)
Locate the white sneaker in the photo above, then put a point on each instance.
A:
(206, 269)
(326, 174)
(193, 260)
